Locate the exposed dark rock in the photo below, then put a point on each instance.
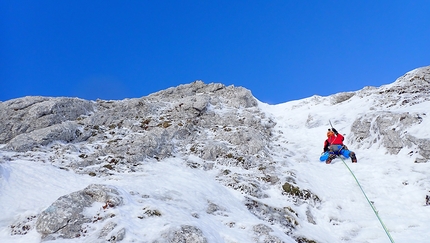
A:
(279, 216)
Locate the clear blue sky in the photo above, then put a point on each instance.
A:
(280, 50)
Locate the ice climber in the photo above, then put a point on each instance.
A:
(333, 146)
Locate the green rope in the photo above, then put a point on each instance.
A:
(371, 204)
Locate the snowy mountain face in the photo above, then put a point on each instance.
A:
(210, 163)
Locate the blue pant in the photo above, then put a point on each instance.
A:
(336, 150)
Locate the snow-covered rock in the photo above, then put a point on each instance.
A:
(66, 218)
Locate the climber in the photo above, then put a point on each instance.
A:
(333, 146)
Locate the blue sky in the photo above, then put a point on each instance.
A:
(280, 50)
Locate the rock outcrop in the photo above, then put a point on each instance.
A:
(28, 114)
(391, 127)
(66, 218)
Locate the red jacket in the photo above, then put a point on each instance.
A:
(336, 140)
(333, 140)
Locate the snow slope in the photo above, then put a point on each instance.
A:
(396, 186)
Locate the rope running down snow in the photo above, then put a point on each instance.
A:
(370, 203)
